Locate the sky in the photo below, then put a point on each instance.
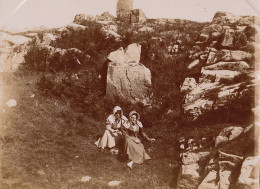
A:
(17, 14)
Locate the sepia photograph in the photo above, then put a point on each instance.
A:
(129, 94)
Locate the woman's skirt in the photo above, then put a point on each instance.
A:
(135, 150)
(108, 140)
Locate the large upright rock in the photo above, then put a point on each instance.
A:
(128, 79)
(123, 9)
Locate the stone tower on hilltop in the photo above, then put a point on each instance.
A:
(123, 9)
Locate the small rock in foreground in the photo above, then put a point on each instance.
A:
(11, 103)
(85, 179)
(114, 183)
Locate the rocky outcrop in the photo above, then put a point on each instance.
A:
(75, 27)
(80, 18)
(249, 174)
(206, 166)
(190, 170)
(48, 38)
(200, 170)
(110, 31)
(146, 29)
(210, 181)
(12, 51)
(188, 85)
(225, 55)
(225, 18)
(107, 16)
(126, 77)
(104, 18)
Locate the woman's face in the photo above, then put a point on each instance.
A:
(117, 115)
(133, 118)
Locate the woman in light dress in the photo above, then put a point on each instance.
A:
(112, 134)
(133, 146)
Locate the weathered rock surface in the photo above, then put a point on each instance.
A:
(126, 77)
(133, 53)
(228, 40)
(226, 68)
(76, 27)
(229, 18)
(231, 55)
(188, 84)
(107, 16)
(232, 66)
(218, 173)
(190, 170)
(210, 181)
(194, 64)
(230, 157)
(207, 31)
(117, 56)
(146, 29)
(110, 31)
(224, 179)
(79, 18)
(249, 174)
(104, 18)
(48, 38)
(13, 39)
(189, 177)
(228, 134)
(137, 16)
(12, 51)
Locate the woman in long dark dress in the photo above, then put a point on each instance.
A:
(133, 146)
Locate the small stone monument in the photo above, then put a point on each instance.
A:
(123, 9)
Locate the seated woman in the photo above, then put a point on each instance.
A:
(133, 146)
(112, 133)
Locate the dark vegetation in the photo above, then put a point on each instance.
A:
(81, 85)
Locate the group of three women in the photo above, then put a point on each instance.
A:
(118, 127)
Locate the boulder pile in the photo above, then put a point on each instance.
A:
(225, 54)
(204, 165)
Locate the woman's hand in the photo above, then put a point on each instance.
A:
(115, 132)
(137, 140)
(152, 139)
